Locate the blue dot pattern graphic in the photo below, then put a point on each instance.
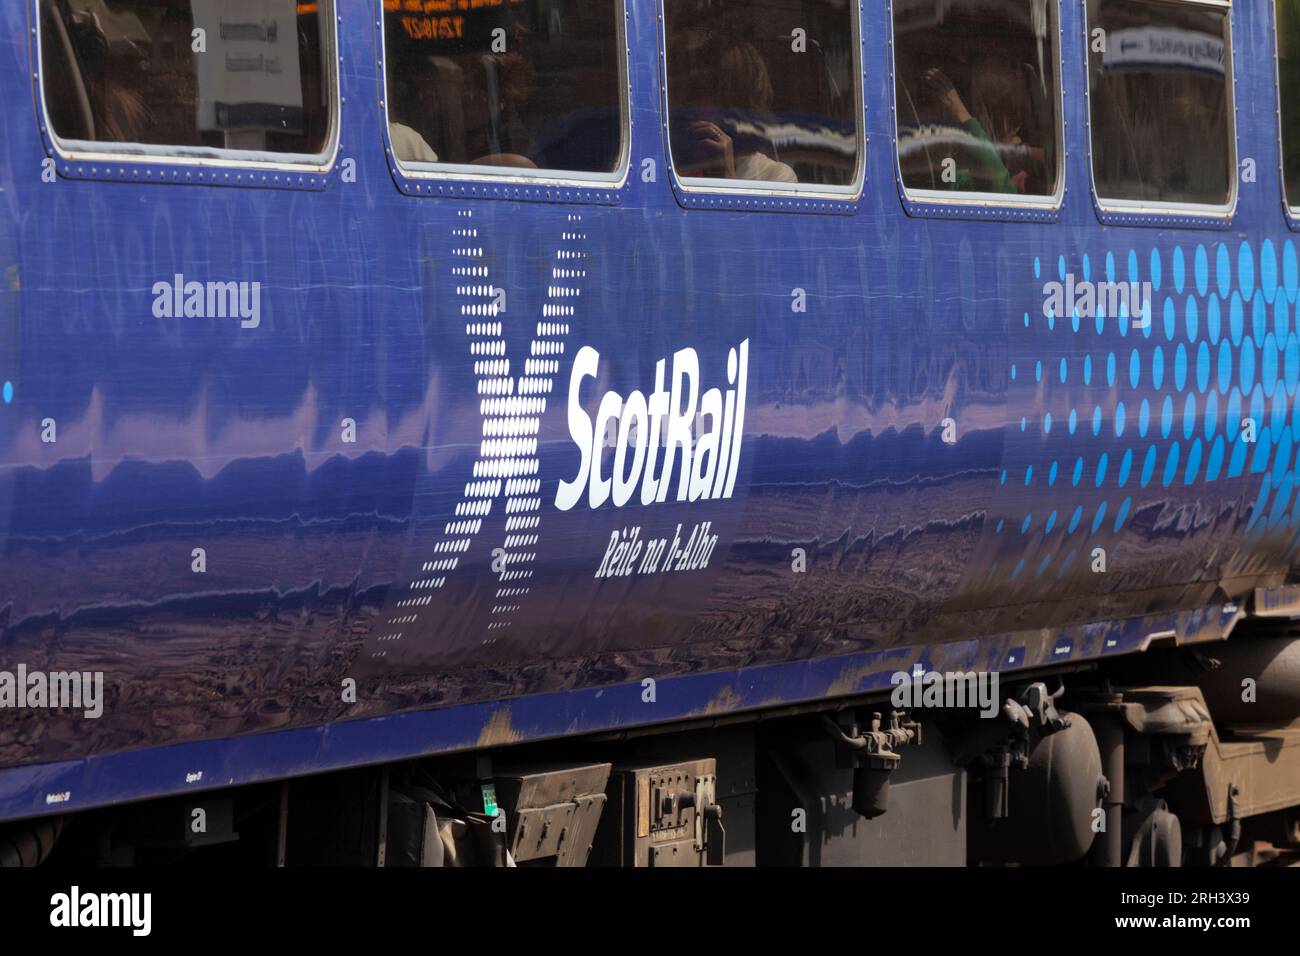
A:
(1200, 388)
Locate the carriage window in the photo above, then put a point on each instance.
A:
(763, 90)
(977, 95)
(525, 84)
(203, 75)
(1159, 76)
(1288, 74)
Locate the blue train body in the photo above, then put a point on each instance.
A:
(920, 466)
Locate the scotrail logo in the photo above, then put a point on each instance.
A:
(706, 463)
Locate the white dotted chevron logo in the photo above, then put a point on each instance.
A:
(680, 442)
(511, 407)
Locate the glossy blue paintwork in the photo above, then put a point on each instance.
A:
(195, 433)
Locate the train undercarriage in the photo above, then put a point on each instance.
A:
(1176, 756)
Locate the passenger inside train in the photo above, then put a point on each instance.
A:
(999, 97)
(525, 85)
(717, 113)
(183, 73)
(750, 98)
(976, 123)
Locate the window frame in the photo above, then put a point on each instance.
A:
(710, 192)
(1141, 211)
(983, 205)
(1292, 212)
(461, 179)
(145, 162)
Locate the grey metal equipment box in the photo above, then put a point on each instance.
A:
(662, 815)
(552, 812)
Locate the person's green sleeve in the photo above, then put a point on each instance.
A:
(992, 172)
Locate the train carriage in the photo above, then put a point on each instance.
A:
(650, 432)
